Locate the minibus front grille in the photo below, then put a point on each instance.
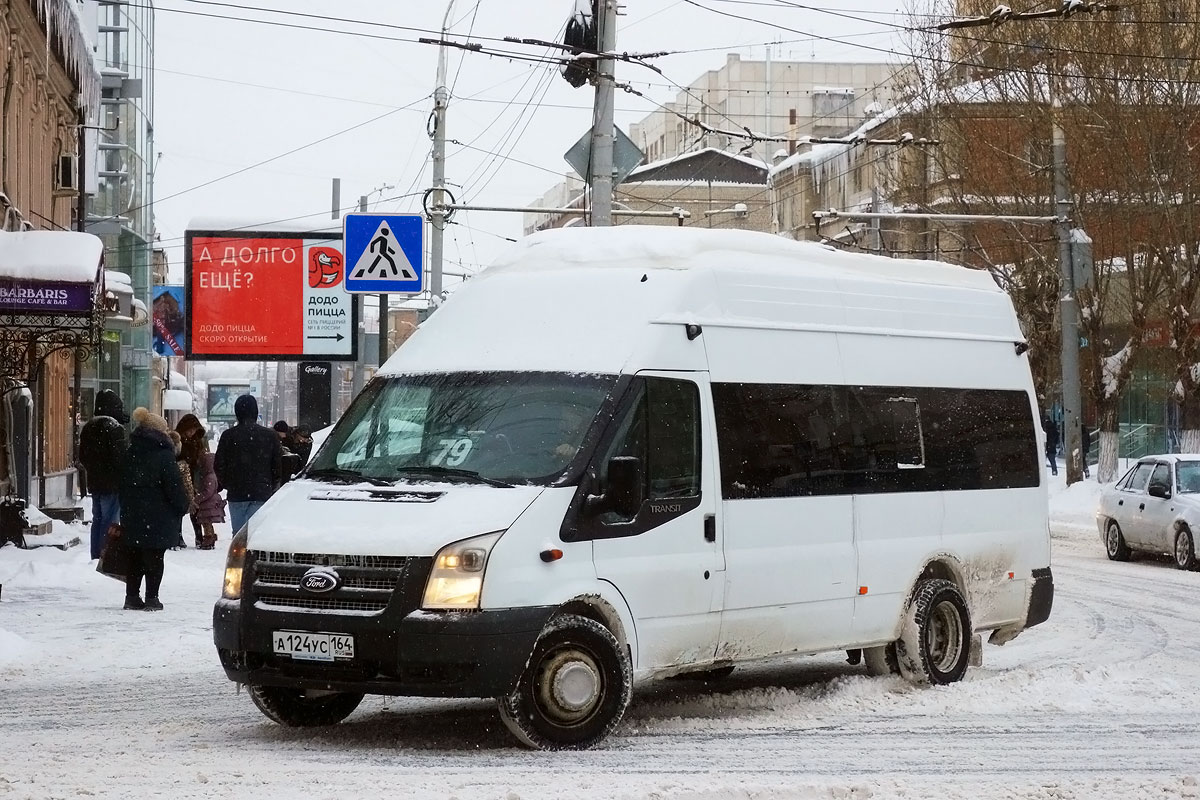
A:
(365, 585)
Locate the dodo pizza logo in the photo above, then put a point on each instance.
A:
(324, 267)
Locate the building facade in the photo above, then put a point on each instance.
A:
(778, 99)
(49, 87)
(121, 210)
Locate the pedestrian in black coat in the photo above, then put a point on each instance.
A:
(102, 446)
(153, 503)
(1085, 444)
(249, 463)
(1051, 429)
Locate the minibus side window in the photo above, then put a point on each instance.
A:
(662, 429)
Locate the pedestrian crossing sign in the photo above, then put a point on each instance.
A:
(384, 253)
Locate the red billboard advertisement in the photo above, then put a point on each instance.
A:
(255, 295)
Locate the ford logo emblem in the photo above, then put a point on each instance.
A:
(320, 580)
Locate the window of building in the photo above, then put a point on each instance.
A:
(833, 102)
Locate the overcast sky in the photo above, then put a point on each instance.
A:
(230, 94)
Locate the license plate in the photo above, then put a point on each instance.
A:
(307, 646)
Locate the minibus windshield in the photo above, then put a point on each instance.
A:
(496, 428)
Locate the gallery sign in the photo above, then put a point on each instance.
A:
(256, 295)
(46, 296)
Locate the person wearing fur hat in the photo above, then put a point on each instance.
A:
(153, 502)
(209, 507)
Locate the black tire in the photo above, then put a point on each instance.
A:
(292, 708)
(584, 653)
(1185, 549)
(881, 661)
(935, 641)
(714, 674)
(1114, 542)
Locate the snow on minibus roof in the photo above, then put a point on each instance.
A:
(579, 300)
(673, 248)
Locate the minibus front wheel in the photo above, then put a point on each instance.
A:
(574, 689)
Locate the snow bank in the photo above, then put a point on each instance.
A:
(13, 649)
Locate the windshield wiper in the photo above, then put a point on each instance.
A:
(447, 472)
(337, 473)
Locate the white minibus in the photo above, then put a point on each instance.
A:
(634, 453)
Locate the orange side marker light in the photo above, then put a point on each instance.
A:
(862, 590)
(551, 555)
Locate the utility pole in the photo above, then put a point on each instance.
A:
(1068, 304)
(601, 167)
(437, 218)
(356, 382)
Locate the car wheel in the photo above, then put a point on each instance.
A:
(1114, 543)
(574, 690)
(1185, 549)
(935, 642)
(296, 708)
(881, 660)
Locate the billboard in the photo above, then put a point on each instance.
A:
(168, 311)
(268, 295)
(221, 397)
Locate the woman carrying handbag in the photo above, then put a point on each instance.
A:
(153, 502)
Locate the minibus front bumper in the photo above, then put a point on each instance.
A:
(400, 649)
(419, 653)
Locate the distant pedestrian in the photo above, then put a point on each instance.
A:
(1085, 444)
(102, 444)
(209, 506)
(153, 502)
(185, 472)
(249, 463)
(1051, 429)
(291, 461)
(301, 443)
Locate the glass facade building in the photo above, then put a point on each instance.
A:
(121, 211)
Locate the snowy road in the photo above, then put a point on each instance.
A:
(1101, 701)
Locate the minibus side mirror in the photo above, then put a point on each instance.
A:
(624, 490)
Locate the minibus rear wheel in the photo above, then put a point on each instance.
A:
(881, 660)
(296, 708)
(574, 689)
(935, 642)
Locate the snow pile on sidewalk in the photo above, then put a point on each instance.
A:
(1073, 509)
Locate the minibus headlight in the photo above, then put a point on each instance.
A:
(456, 580)
(234, 564)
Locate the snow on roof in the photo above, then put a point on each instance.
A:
(754, 162)
(64, 256)
(250, 225)
(821, 153)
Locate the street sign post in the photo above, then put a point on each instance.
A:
(384, 253)
(626, 155)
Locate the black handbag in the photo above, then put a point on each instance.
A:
(114, 558)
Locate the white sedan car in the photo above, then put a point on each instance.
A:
(1154, 508)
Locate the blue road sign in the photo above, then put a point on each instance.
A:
(384, 253)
